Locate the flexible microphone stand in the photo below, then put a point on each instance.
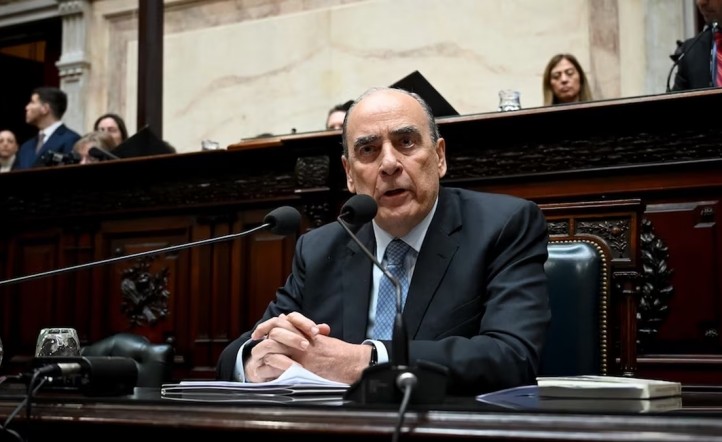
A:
(422, 383)
(282, 221)
(713, 27)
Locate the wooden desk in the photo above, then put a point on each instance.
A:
(145, 416)
(589, 155)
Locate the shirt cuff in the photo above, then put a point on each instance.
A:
(239, 373)
(381, 352)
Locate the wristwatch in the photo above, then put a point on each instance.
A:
(374, 356)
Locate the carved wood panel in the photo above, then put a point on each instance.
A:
(692, 236)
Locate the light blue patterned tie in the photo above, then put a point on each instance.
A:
(386, 302)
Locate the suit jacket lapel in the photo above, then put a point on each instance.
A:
(357, 273)
(438, 248)
(51, 142)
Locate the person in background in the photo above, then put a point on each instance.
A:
(100, 139)
(8, 151)
(334, 119)
(701, 65)
(564, 81)
(114, 125)
(473, 263)
(45, 111)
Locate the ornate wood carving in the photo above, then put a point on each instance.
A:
(145, 296)
(312, 171)
(656, 290)
(558, 227)
(318, 213)
(615, 232)
(502, 158)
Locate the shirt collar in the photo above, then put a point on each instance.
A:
(48, 131)
(414, 238)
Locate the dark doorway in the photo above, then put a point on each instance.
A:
(28, 53)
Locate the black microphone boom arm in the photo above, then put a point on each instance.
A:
(282, 221)
(713, 27)
(421, 383)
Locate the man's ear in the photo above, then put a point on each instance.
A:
(441, 154)
(350, 185)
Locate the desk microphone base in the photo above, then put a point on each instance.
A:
(378, 384)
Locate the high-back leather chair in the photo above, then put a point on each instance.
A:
(579, 275)
(154, 361)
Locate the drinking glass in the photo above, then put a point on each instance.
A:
(509, 100)
(58, 341)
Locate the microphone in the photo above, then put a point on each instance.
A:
(677, 57)
(358, 210)
(281, 221)
(93, 375)
(101, 154)
(385, 383)
(59, 369)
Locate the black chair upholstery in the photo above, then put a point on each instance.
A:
(154, 361)
(578, 270)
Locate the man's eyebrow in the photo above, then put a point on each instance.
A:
(362, 141)
(406, 130)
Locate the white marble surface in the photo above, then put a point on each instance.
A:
(235, 69)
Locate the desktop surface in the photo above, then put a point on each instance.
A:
(147, 414)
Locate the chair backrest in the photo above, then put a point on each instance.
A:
(578, 271)
(154, 361)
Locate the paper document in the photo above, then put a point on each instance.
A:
(296, 381)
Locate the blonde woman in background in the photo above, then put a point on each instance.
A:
(98, 139)
(565, 81)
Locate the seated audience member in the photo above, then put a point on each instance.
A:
(565, 81)
(8, 151)
(45, 110)
(114, 125)
(334, 119)
(701, 67)
(99, 139)
(472, 266)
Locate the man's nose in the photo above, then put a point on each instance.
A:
(389, 161)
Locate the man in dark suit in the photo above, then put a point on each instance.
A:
(698, 67)
(477, 301)
(45, 110)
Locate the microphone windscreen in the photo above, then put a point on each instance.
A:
(359, 209)
(284, 220)
(101, 154)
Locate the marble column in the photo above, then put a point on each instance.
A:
(73, 65)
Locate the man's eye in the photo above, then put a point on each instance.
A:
(407, 142)
(365, 151)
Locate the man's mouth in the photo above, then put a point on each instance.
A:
(394, 192)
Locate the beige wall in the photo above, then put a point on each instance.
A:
(235, 69)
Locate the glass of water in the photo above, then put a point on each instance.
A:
(58, 341)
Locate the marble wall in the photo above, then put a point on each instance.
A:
(236, 68)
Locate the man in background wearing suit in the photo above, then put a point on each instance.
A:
(477, 301)
(701, 65)
(45, 110)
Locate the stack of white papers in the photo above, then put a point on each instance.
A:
(295, 385)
